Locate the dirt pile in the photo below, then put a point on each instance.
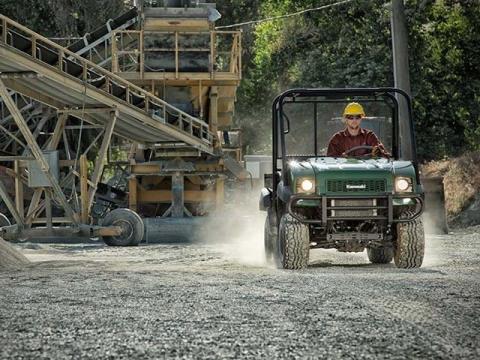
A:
(462, 186)
(11, 258)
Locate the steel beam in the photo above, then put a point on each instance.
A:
(32, 209)
(10, 204)
(84, 188)
(102, 154)
(31, 93)
(36, 152)
(57, 133)
(86, 110)
(19, 190)
(19, 75)
(126, 111)
(13, 136)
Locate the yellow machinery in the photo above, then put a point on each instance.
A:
(177, 55)
(158, 77)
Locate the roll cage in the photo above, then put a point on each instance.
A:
(279, 131)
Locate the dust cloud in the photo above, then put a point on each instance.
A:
(433, 232)
(237, 231)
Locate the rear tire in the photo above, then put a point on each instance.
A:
(382, 255)
(270, 239)
(293, 243)
(409, 246)
(131, 224)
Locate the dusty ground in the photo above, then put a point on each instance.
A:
(212, 301)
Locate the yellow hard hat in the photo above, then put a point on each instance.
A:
(353, 109)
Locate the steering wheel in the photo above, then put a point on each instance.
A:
(361, 147)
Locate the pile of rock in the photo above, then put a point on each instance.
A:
(11, 258)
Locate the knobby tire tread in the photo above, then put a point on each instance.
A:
(410, 243)
(296, 243)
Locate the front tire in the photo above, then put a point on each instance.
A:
(131, 224)
(293, 243)
(409, 246)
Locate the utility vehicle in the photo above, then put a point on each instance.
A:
(349, 203)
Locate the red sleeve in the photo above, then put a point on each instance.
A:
(334, 148)
(373, 140)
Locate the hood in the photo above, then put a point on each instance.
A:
(331, 163)
(327, 169)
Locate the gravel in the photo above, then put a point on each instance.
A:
(212, 300)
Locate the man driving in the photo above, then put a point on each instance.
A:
(344, 142)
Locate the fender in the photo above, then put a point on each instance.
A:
(284, 192)
(265, 202)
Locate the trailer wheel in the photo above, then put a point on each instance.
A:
(270, 239)
(381, 255)
(4, 221)
(131, 224)
(409, 245)
(293, 243)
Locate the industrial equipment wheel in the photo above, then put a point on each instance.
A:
(409, 243)
(293, 243)
(131, 224)
(381, 255)
(270, 238)
(4, 221)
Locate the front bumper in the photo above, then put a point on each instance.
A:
(382, 207)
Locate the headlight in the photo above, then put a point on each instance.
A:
(305, 185)
(403, 184)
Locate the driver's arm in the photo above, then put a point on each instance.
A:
(373, 140)
(334, 147)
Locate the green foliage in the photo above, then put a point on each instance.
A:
(445, 77)
(34, 14)
(350, 46)
(62, 18)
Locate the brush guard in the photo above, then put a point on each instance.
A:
(382, 208)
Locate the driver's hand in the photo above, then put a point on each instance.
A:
(376, 151)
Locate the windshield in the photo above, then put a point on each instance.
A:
(310, 123)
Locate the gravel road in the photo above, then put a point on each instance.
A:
(209, 300)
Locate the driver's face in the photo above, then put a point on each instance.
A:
(353, 121)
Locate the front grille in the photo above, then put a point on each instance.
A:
(356, 186)
(353, 203)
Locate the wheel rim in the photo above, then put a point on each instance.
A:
(127, 229)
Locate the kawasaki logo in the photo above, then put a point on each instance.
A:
(356, 187)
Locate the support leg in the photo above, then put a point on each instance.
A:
(132, 194)
(19, 190)
(177, 195)
(84, 188)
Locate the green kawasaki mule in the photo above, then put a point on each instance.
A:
(341, 178)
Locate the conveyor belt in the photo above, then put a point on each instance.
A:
(41, 69)
(124, 21)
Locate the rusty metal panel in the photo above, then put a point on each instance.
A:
(36, 176)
